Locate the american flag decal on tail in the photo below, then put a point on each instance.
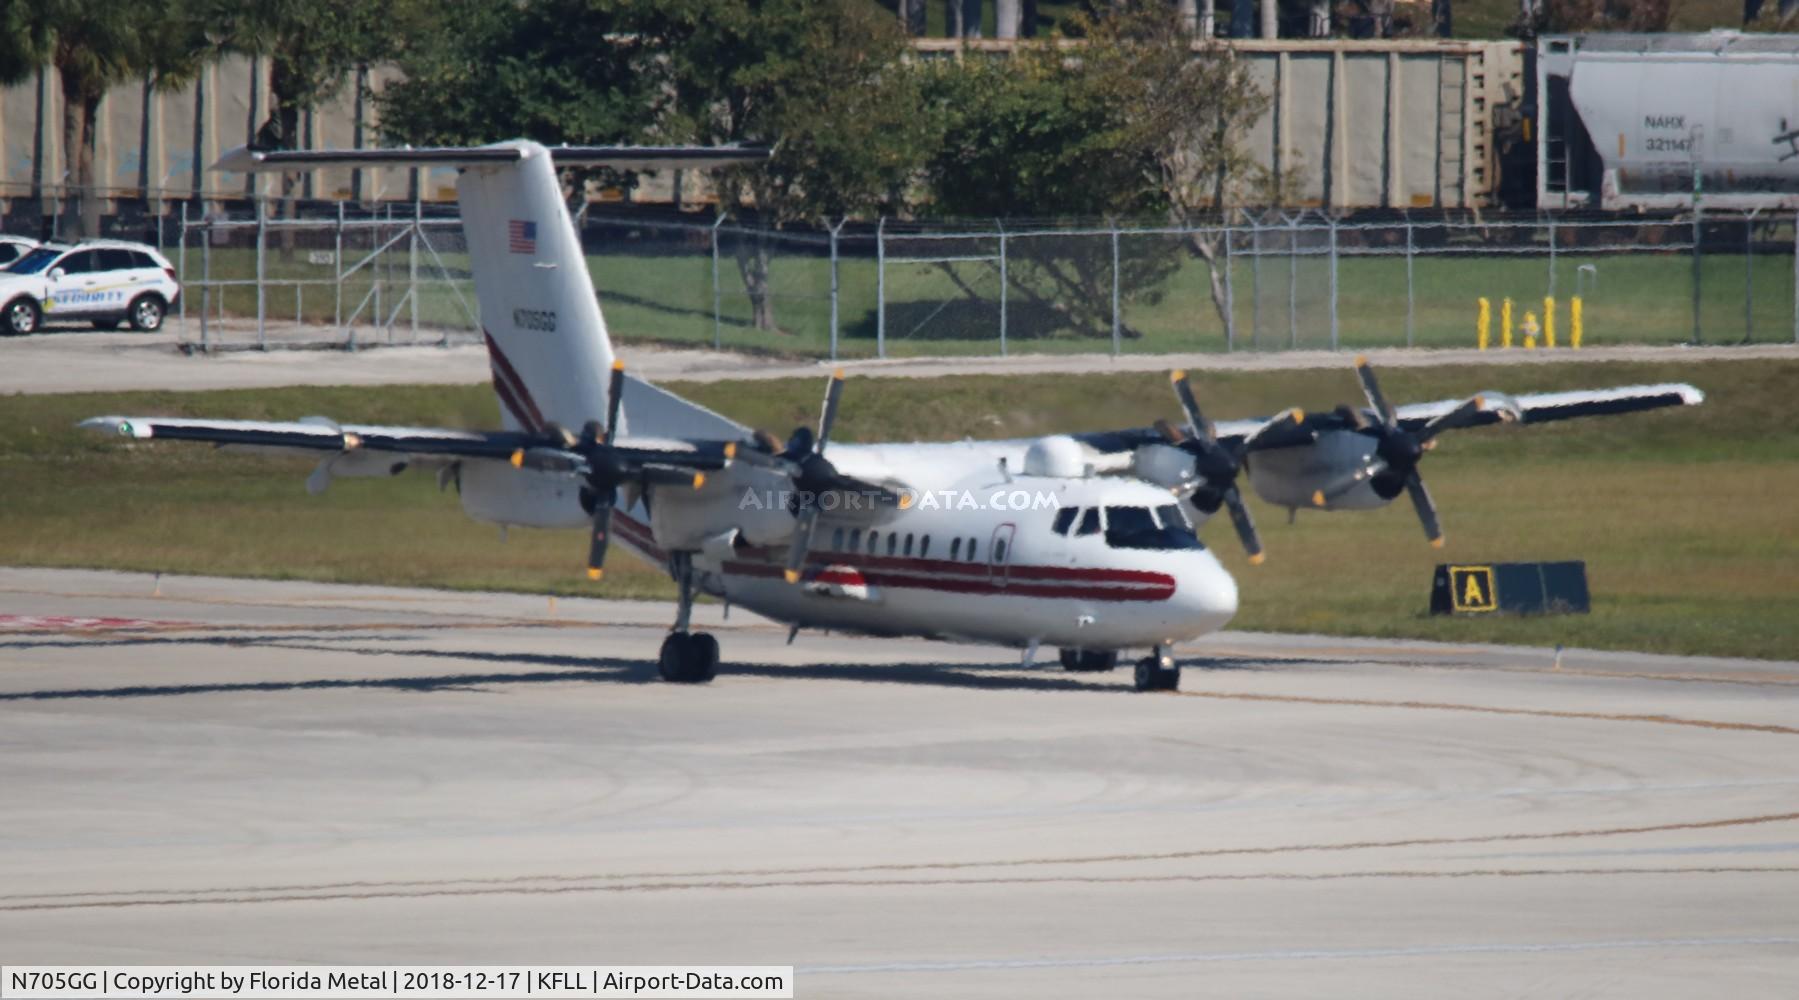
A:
(521, 236)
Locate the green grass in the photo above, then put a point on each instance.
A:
(1641, 298)
(1685, 517)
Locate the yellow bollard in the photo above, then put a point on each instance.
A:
(1574, 323)
(1549, 321)
(1505, 324)
(1484, 323)
(1529, 329)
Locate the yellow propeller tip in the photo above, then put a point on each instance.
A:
(1177, 375)
(518, 459)
(594, 572)
(1480, 401)
(699, 480)
(792, 575)
(1318, 498)
(1299, 415)
(838, 374)
(1437, 542)
(1258, 559)
(730, 450)
(618, 364)
(1361, 361)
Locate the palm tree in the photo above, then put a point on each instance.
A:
(93, 46)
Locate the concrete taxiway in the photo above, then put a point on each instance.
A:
(233, 772)
(74, 360)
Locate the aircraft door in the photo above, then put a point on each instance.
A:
(999, 554)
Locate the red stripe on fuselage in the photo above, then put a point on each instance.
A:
(1070, 582)
(502, 369)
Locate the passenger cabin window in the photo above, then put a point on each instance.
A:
(908, 543)
(972, 551)
(955, 548)
(892, 542)
(837, 539)
(1089, 522)
(999, 550)
(873, 538)
(1064, 520)
(924, 547)
(1136, 528)
(855, 539)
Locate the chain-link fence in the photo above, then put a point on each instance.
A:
(1264, 282)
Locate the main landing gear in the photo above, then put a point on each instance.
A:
(687, 657)
(1089, 661)
(1158, 672)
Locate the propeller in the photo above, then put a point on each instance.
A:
(604, 472)
(813, 475)
(603, 468)
(1398, 451)
(1218, 465)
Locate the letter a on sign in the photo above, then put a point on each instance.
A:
(1471, 588)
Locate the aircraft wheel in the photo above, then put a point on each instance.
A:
(1089, 660)
(1158, 673)
(688, 658)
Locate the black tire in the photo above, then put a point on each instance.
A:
(106, 324)
(688, 658)
(1089, 661)
(22, 317)
(705, 649)
(1152, 675)
(146, 313)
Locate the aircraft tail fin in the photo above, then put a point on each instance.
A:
(546, 337)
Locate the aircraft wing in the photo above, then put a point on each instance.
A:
(409, 444)
(1495, 407)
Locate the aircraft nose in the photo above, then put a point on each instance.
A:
(1209, 597)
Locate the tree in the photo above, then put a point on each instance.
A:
(574, 71)
(93, 45)
(1192, 107)
(825, 85)
(1135, 120)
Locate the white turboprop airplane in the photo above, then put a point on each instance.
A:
(1085, 542)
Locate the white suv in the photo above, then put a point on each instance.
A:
(14, 247)
(102, 282)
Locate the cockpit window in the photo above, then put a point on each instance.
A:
(1171, 516)
(1136, 528)
(1064, 519)
(1089, 522)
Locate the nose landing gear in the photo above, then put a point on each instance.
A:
(1158, 672)
(687, 657)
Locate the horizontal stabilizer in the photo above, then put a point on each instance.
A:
(243, 159)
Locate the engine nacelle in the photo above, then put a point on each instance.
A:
(1290, 477)
(1164, 465)
(500, 494)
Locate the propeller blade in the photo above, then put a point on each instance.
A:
(1461, 416)
(1371, 388)
(1170, 433)
(615, 397)
(1190, 405)
(602, 534)
(829, 416)
(1246, 526)
(1294, 417)
(1427, 510)
(802, 542)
